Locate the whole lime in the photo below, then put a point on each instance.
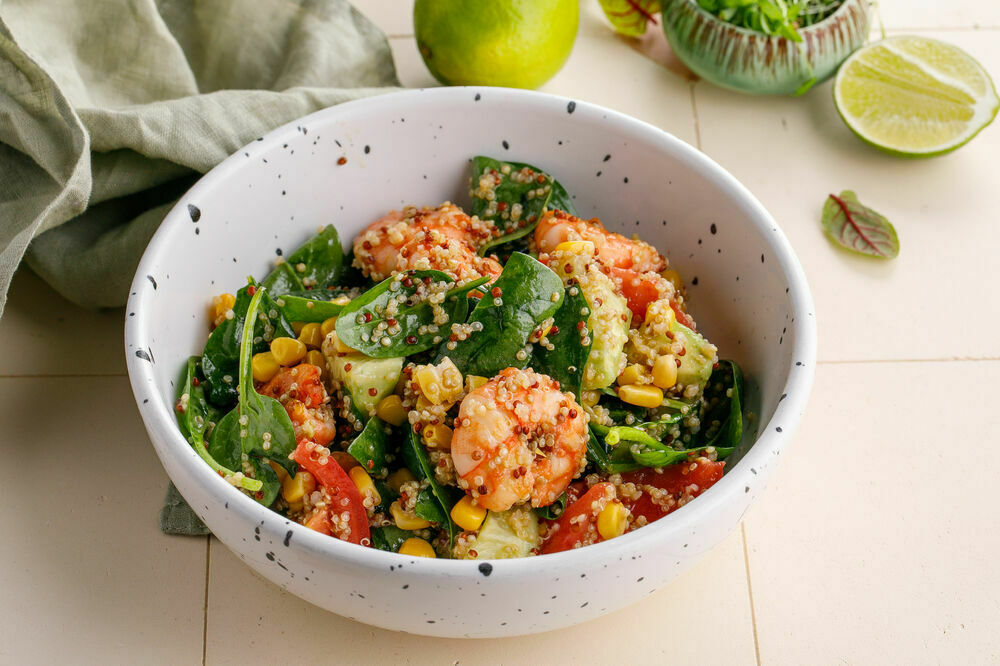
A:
(512, 43)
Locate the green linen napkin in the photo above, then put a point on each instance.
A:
(109, 109)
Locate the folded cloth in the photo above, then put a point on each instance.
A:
(109, 109)
(176, 517)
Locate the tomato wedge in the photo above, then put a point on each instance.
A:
(640, 291)
(569, 529)
(675, 481)
(341, 489)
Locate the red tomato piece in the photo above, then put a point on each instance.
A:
(568, 530)
(675, 481)
(302, 383)
(638, 291)
(339, 486)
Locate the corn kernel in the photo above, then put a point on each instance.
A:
(612, 520)
(437, 436)
(631, 375)
(264, 366)
(327, 326)
(417, 547)
(297, 326)
(468, 515)
(674, 278)
(311, 336)
(472, 382)
(390, 409)
(398, 478)
(279, 470)
(221, 304)
(364, 484)
(315, 357)
(665, 371)
(294, 488)
(641, 396)
(430, 385)
(339, 346)
(576, 247)
(451, 380)
(287, 351)
(406, 521)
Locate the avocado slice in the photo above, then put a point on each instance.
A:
(698, 359)
(365, 379)
(507, 534)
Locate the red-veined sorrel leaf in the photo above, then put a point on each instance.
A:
(630, 17)
(858, 228)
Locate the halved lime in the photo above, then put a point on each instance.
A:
(914, 96)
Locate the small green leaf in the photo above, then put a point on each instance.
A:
(315, 265)
(554, 510)
(630, 17)
(368, 448)
(389, 538)
(854, 226)
(415, 457)
(300, 308)
(566, 360)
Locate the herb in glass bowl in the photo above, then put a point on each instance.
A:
(781, 18)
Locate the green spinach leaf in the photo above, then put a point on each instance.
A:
(221, 359)
(554, 510)
(282, 280)
(568, 356)
(723, 416)
(436, 501)
(363, 324)
(302, 308)
(389, 538)
(368, 448)
(315, 265)
(561, 199)
(196, 416)
(528, 293)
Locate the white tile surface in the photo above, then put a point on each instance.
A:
(877, 542)
(249, 615)
(792, 152)
(87, 577)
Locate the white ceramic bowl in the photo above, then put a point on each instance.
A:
(747, 292)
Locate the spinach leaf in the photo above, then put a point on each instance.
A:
(194, 417)
(303, 308)
(629, 443)
(560, 199)
(723, 415)
(435, 502)
(368, 448)
(270, 485)
(221, 358)
(317, 264)
(666, 457)
(389, 538)
(363, 324)
(259, 423)
(565, 361)
(554, 510)
(612, 460)
(528, 293)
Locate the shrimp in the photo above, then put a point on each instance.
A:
(442, 238)
(613, 250)
(300, 391)
(518, 437)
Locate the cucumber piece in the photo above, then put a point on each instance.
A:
(366, 380)
(507, 534)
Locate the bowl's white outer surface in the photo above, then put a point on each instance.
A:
(747, 292)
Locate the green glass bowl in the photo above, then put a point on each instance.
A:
(751, 62)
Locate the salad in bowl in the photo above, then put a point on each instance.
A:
(499, 382)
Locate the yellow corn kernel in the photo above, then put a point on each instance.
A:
(221, 304)
(612, 520)
(451, 380)
(417, 547)
(315, 357)
(406, 521)
(297, 326)
(294, 488)
(437, 436)
(390, 409)
(311, 336)
(429, 383)
(365, 484)
(327, 326)
(641, 396)
(339, 346)
(467, 514)
(576, 247)
(279, 470)
(674, 278)
(665, 371)
(472, 382)
(631, 375)
(264, 366)
(287, 351)
(398, 478)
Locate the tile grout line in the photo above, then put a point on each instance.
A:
(204, 626)
(753, 611)
(953, 359)
(694, 113)
(96, 375)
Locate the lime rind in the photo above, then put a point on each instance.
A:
(946, 90)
